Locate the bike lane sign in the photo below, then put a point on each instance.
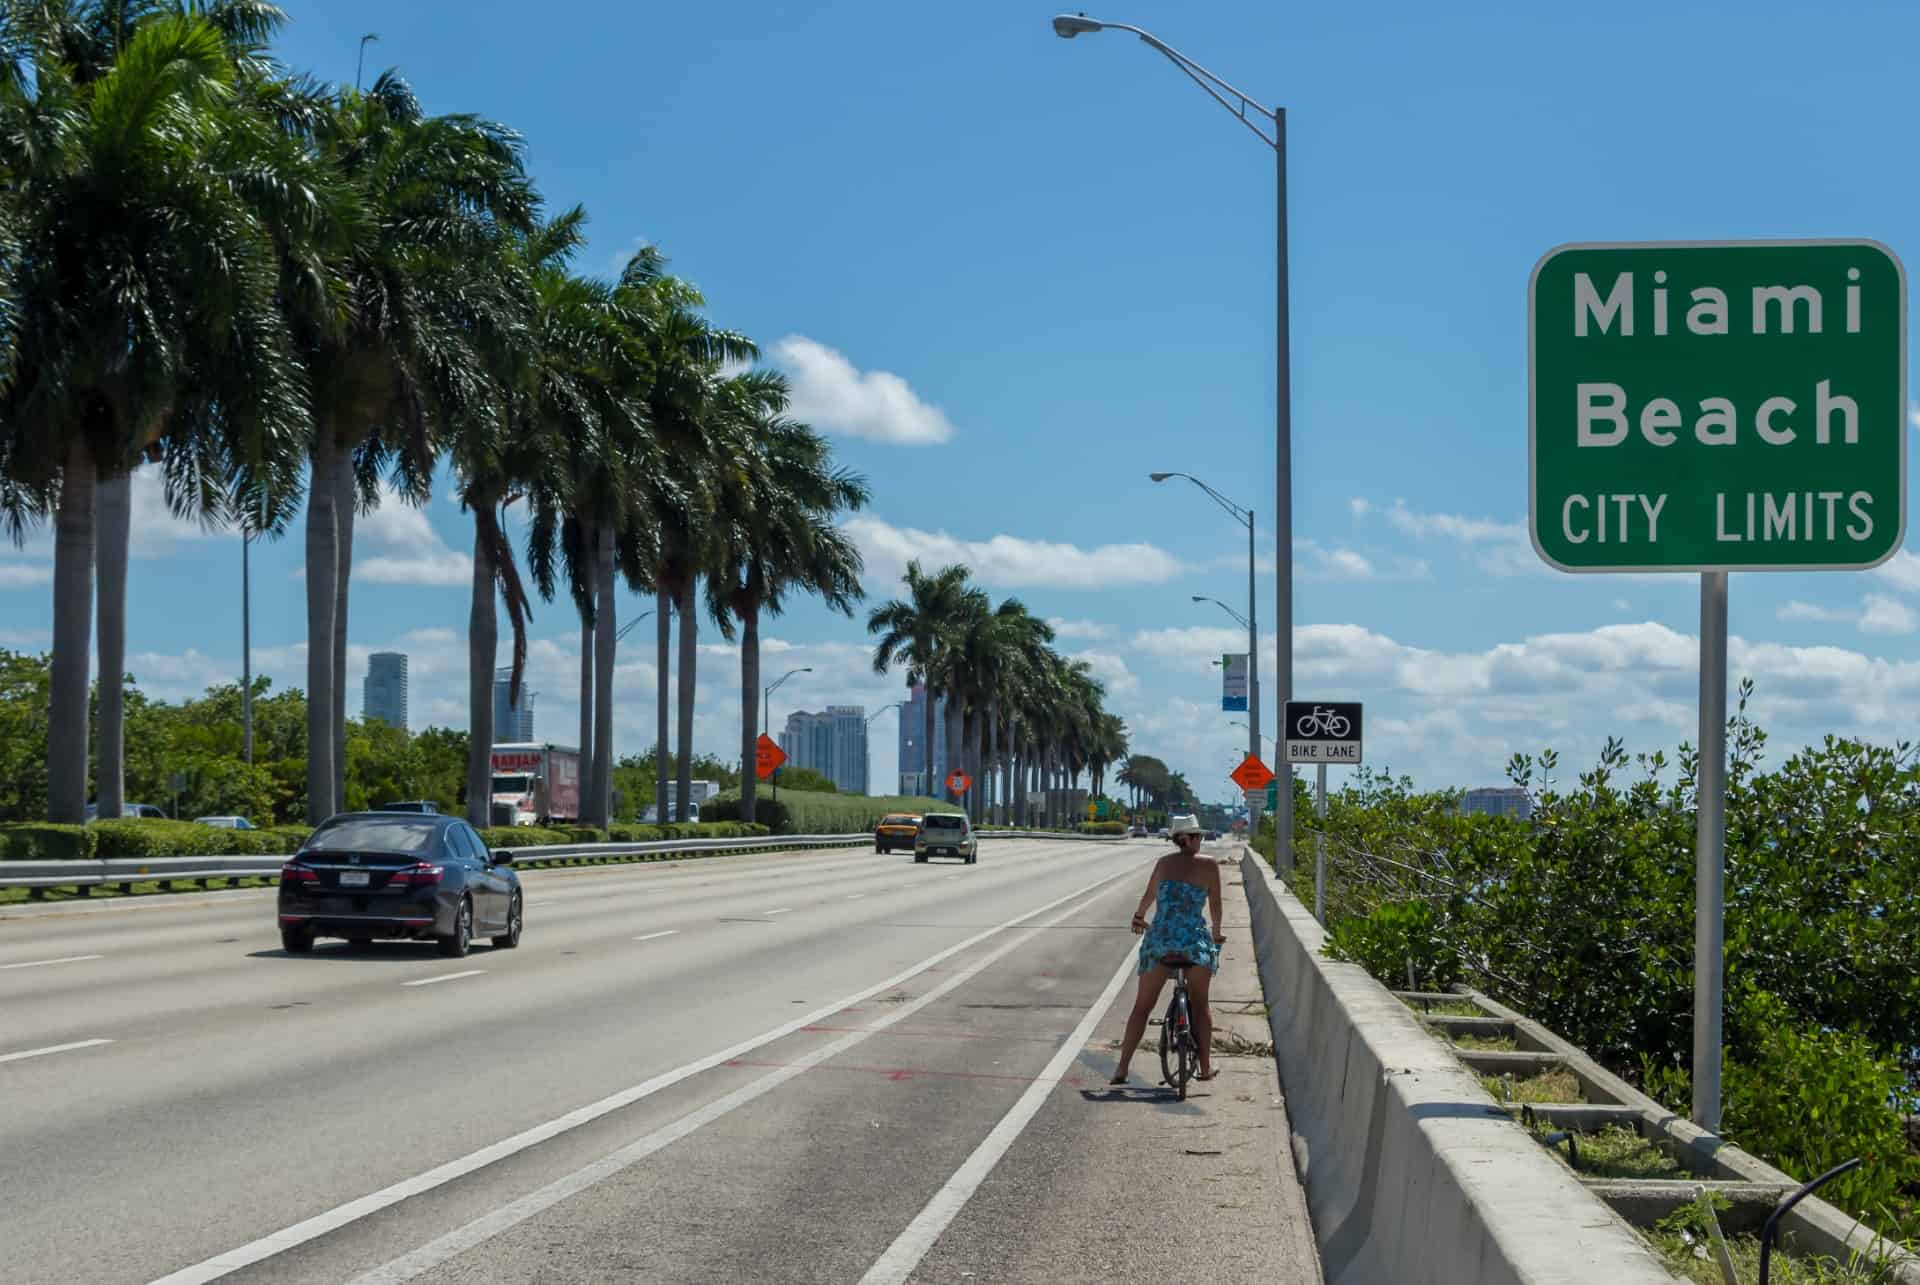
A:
(1323, 732)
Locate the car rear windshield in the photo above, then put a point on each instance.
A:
(945, 823)
(397, 833)
(896, 819)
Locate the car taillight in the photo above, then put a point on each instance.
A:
(418, 875)
(294, 872)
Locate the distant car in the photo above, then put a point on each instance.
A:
(363, 875)
(896, 830)
(1212, 835)
(143, 811)
(413, 805)
(225, 823)
(946, 834)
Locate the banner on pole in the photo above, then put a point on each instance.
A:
(1233, 682)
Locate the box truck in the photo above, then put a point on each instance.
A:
(698, 792)
(535, 784)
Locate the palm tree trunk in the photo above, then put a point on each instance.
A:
(113, 517)
(749, 707)
(604, 611)
(927, 776)
(663, 609)
(689, 660)
(589, 790)
(345, 503)
(323, 564)
(483, 644)
(72, 638)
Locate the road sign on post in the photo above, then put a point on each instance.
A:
(767, 756)
(958, 782)
(1322, 732)
(1717, 406)
(1252, 774)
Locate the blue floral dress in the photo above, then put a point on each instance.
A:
(1179, 927)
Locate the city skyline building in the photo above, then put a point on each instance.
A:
(913, 730)
(510, 722)
(832, 742)
(384, 692)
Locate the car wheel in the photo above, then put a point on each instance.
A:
(972, 857)
(878, 847)
(455, 944)
(514, 921)
(359, 941)
(296, 941)
(920, 858)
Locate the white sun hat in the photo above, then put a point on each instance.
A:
(1183, 825)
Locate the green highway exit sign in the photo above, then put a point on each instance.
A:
(1717, 406)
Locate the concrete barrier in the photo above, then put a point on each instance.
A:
(1413, 1175)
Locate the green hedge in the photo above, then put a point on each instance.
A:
(805, 812)
(35, 841)
(527, 836)
(1102, 827)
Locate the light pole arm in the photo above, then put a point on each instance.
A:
(1243, 516)
(1240, 103)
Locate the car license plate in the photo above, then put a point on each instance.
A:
(353, 878)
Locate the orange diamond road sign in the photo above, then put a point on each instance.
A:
(1252, 774)
(767, 756)
(958, 782)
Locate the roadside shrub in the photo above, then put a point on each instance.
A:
(1394, 933)
(1102, 827)
(1808, 1099)
(776, 816)
(37, 841)
(129, 839)
(522, 836)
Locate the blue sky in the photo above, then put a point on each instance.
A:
(1013, 274)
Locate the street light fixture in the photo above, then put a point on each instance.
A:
(628, 627)
(1250, 621)
(1067, 26)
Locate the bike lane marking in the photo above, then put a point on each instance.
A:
(901, 1257)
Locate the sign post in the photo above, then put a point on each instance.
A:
(1322, 733)
(1712, 407)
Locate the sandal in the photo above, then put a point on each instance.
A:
(1117, 1080)
(1207, 1075)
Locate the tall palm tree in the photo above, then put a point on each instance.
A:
(916, 631)
(780, 536)
(587, 397)
(397, 354)
(151, 206)
(681, 355)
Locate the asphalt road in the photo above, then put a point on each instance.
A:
(823, 1067)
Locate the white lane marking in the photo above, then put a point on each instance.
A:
(42, 963)
(856, 896)
(912, 1244)
(445, 977)
(486, 1227)
(52, 1048)
(650, 936)
(781, 911)
(333, 1219)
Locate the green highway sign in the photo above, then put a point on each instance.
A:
(1717, 406)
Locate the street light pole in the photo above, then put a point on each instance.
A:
(1067, 26)
(766, 719)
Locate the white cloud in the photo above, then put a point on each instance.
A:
(1008, 561)
(1066, 629)
(1453, 527)
(1883, 615)
(17, 572)
(834, 396)
(1360, 505)
(1111, 670)
(1878, 614)
(397, 544)
(1902, 571)
(1797, 610)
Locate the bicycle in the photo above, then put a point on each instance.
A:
(1179, 1052)
(1324, 722)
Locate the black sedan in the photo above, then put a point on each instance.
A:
(363, 875)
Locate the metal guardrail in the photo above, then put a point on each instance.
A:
(167, 871)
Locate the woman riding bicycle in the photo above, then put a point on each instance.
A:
(1181, 882)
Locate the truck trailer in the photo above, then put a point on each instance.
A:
(534, 784)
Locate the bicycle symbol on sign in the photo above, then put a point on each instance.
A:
(1322, 721)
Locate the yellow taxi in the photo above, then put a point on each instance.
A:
(896, 830)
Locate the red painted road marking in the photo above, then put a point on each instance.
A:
(945, 1033)
(911, 1073)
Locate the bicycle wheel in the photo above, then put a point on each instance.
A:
(1183, 1045)
(1338, 726)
